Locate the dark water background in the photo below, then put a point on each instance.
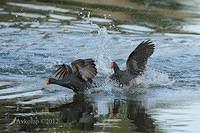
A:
(35, 35)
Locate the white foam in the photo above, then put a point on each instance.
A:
(29, 15)
(62, 17)
(98, 20)
(154, 78)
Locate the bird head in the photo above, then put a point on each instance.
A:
(49, 81)
(113, 65)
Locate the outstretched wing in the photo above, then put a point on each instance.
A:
(138, 58)
(86, 68)
(63, 71)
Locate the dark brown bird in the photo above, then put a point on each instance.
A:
(78, 77)
(135, 65)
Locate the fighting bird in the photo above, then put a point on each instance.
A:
(77, 77)
(135, 64)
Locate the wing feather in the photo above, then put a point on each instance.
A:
(85, 67)
(63, 71)
(138, 58)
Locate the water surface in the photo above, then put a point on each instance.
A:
(37, 35)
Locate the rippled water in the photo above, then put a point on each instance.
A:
(37, 35)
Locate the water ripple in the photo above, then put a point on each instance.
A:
(39, 7)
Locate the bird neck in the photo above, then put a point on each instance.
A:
(59, 82)
(75, 86)
(116, 69)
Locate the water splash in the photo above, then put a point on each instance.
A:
(103, 54)
(151, 78)
(154, 78)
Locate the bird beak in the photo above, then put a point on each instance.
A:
(112, 114)
(46, 109)
(47, 82)
(111, 65)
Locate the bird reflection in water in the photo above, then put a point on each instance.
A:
(82, 114)
(136, 113)
(79, 113)
(113, 109)
(142, 120)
